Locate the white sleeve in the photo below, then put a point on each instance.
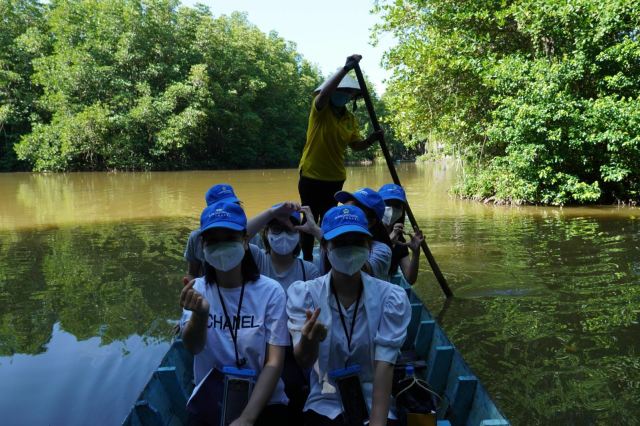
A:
(380, 261)
(276, 318)
(298, 301)
(394, 322)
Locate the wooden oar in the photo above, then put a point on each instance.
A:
(387, 156)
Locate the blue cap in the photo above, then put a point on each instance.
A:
(220, 192)
(295, 215)
(365, 196)
(391, 191)
(342, 219)
(223, 215)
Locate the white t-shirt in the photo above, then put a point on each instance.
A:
(262, 321)
(295, 273)
(379, 259)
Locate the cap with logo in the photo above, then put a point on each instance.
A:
(223, 215)
(220, 192)
(343, 219)
(391, 191)
(365, 196)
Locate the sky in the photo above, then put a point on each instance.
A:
(325, 32)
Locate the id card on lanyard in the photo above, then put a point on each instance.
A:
(238, 385)
(354, 406)
(347, 380)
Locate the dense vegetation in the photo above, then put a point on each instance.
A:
(138, 85)
(539, 97)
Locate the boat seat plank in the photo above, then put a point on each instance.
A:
(147, 415)
(439, 368)
(412, 330)
(157, 397)
(463, 395)
(494, 422)
(177, 394)
(423, 338)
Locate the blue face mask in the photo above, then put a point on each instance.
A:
(340, 99)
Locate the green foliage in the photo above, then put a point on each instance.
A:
(133, 84)
(22, 24)
(540, 97)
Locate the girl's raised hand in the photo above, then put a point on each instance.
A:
(283, 211)
(312, 329)
(193, 301)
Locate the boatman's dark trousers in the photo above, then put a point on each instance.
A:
(318, 195)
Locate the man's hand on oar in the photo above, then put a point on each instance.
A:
(352, 61)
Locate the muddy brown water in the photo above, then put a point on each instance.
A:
(546, 312)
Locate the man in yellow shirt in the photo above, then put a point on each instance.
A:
(331, 129)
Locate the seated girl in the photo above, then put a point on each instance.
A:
(347, 318)
(395, 201)
(235, 317)
(279, 260)
(281, 241)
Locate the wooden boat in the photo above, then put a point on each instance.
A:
(163, 400)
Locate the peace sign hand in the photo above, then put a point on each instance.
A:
(193, 301)
(312, 330)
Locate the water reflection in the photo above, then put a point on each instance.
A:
(110, 281)
(546, 313)
(76, 382)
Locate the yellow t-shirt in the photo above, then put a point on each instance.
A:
(327, 140)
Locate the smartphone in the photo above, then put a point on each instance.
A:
(354, 406)
(238, 384)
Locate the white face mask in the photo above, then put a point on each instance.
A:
(391, 215)
(224, 256)
(283, 243)
(348, 259)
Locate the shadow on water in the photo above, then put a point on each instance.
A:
(546, 312)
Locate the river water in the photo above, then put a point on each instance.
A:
(546, 312)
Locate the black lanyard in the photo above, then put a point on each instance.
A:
(349, 335)
(234, 335)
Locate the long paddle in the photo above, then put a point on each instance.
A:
(387, 156)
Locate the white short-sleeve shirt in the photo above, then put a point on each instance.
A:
(262, 321)
(381, 325)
